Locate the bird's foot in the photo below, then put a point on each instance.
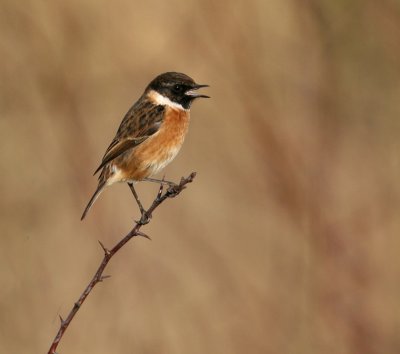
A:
(144, 219)
(173, 190)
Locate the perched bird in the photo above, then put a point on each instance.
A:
(150, 135)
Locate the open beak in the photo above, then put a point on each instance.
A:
(193, 92)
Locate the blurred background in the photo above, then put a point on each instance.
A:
(287, 241)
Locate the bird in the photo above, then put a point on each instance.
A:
(150, 134)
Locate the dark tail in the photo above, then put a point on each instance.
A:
(96, 194)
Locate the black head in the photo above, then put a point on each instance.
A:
(177, 87)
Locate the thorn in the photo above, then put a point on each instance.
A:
(104, 277)
(140, 233)
(106, 251)
(61, 319)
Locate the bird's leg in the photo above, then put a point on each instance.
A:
(145, 218)
(162, 181)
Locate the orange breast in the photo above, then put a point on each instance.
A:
(160, 149)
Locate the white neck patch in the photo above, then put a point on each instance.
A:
(164, 101)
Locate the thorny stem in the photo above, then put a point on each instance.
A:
(171, 192)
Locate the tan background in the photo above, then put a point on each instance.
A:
(287, 242)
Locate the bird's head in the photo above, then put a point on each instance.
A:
(177, 88)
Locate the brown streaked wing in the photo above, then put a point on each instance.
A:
(142, 120)
(119, 148)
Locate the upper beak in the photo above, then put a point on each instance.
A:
(192, 92)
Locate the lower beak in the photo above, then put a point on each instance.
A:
(193, 92)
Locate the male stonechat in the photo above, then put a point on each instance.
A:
(150, 135)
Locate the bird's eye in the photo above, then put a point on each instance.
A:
(177, 88)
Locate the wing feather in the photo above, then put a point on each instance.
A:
(142, 121)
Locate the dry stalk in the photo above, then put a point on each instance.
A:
(171, 192)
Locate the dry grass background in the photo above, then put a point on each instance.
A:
(287, 242)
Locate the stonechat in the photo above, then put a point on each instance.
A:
(150, 135)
